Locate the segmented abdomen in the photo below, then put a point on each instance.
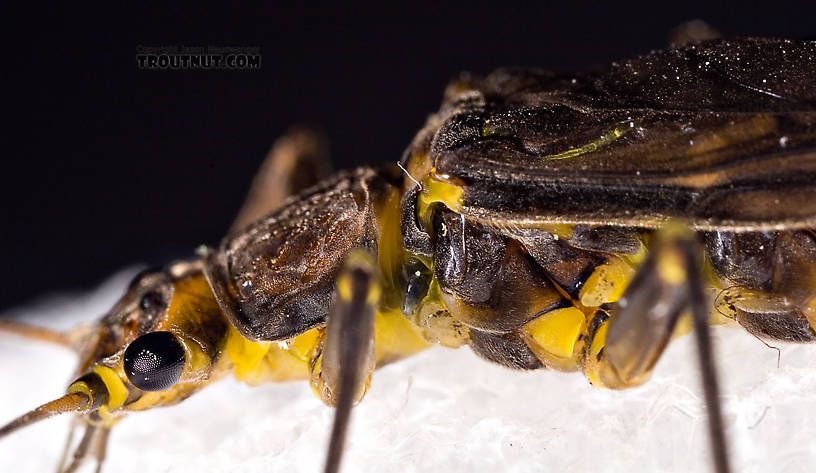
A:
(529, 298)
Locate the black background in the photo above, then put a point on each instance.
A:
(105, 165)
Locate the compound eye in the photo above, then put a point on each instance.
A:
(154, 362)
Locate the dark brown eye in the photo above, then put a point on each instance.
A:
(154, 362)
(150, 300)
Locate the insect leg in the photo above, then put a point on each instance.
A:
(66, 450)
(297, 160)
(101, 447)
(343, 370)
(699, 310)
(93, 443)
(36, 333)
(625, 348)
(86, 444)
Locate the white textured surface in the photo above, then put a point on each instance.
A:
(442, 410)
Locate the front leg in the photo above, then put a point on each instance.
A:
(93, 443)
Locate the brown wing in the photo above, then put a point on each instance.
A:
(720, 134)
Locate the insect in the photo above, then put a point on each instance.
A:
(572, 222)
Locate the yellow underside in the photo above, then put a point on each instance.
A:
(265, 362)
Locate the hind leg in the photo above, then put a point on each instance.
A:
(626, 345)
(297, 160)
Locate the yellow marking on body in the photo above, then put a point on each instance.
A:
(277, 365)
(561, 231)
(196, 361)
(193, 307)
(395, 337)
(117, 392)
(189, 295)
(593, 146)
(265, 362)
(640, 256)
(109, 419)
(244, 354)
(389, 238)
(557, 331)
(303, 346)
(81, 387)
(437, 191)
(607, 282)
(256, 363)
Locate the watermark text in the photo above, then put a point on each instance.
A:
(198, 57)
